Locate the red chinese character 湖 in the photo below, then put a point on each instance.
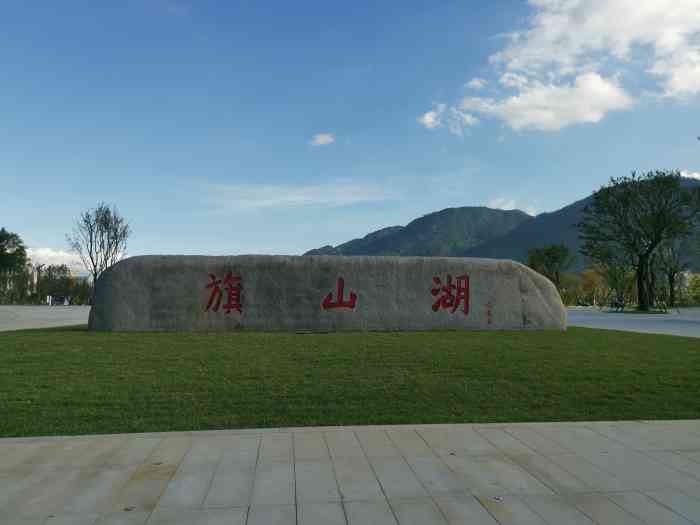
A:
(233, 286)
(328, 303)
(449, 295)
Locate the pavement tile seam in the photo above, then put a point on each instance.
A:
(427, 490)
(255, 469)
(335, 477)
(528, 502)
(598, 429)
(374, 473)
(611, 495)
(667, 465)
(655, 496)
(483, 432)
(592, 516)
(551, 443)
(544, 478)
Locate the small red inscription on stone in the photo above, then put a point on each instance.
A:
(232, 285)
(451, 295)
(489, 313)
(329, 304)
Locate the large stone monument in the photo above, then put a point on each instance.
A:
(323, 293)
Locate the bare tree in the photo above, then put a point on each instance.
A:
(99, 237)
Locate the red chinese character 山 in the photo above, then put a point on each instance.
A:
(329, 304)
(232, 285)
(451, 295)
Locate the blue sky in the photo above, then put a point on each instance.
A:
(261, 127)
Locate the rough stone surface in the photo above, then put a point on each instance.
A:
(287, 293)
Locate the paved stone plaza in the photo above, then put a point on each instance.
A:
(605, 473)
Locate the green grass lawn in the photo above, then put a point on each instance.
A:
(70, 381)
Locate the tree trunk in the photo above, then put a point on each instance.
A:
(642, 283)
(671, 289)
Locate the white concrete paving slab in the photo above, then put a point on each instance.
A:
(320, 514)
(356, 480)
(495, 474)
(511, 510)
(123, 518)
(680, 503)
(422, 511)
(272, 515)
(274, 484)
(525, 473)
(504, 442)
(551, 474)
(72, 519)
(601, 509)
(397, 479)
(647, 509)
(369, 513)
(464, 508)
(344, 444)
(555, 509)
(315, 482)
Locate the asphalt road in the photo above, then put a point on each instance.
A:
(23, 317)
(685, 322)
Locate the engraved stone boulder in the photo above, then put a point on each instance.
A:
(323, 293)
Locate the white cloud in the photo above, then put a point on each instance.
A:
(681, 73)
(458, 120)
(568, 37)
(50, 256)
(322, 139)
(455, 119)
(690, 174)
(432, 119)
(551, 107)
(505, 203)
(513, 80)
(501, 203)
(476, 83)
(575, 61)
(250, 197)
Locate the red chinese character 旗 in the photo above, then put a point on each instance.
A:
(233, 286)
(451, 295)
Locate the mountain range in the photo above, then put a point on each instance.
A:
(477, 231)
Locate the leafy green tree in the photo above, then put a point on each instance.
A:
(13, 254)
(694, 289)
(616, 272)
(81, 291)
(55, 280)
(13, 259)
(671, 259)
(632, 216)
(19, 287)
(551, 261)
